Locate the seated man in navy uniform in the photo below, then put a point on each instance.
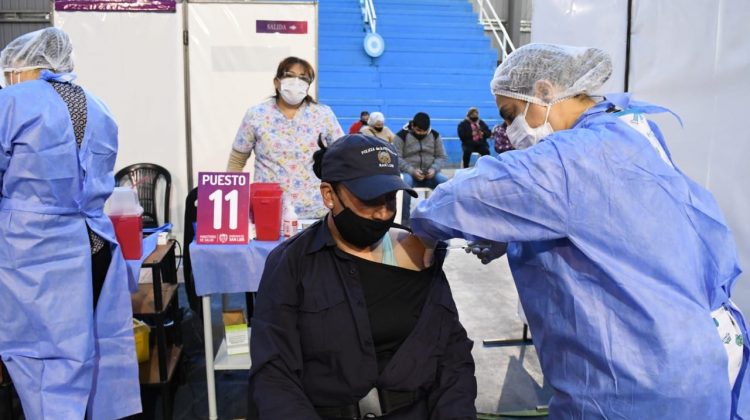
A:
(351, 320)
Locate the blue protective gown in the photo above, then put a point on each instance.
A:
(60, 354)
(619, 260)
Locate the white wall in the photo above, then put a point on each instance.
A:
(601, 24)
(692, 58)
(133, 62)
(232, 68)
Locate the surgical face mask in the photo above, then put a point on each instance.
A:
(293, 90)
(522, 136)
(361, 231)
(11, 78)
(13, 75)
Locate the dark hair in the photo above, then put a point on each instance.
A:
(363, 113)
(318, 163)
(284, 67)
(421, 120)
(318, 158)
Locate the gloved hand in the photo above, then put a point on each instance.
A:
(487, 251)
(429, 250)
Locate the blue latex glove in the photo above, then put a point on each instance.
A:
(487, 251)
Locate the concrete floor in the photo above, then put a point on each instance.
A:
(509, 377)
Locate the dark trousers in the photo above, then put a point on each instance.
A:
(474, 147)
(99, 267)
(431, 183)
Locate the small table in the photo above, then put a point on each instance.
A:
(225, 269)
(157, 301)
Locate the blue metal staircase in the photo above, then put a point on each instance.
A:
(436, 60)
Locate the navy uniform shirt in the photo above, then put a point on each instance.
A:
(311, 344)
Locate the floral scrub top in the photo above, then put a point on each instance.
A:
(284, 149)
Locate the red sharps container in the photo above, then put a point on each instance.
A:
(125, 213)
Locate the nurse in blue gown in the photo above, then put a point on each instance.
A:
(66, 332)
(624, 266)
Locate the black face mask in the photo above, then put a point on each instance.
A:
(359, 231)
(475, 119)
(378, 129)
(419, 136)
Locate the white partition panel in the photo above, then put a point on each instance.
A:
(232, 68)
(693, 58)
(133, 62)
(584, 23)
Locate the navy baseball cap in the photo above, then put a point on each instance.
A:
(367, 166)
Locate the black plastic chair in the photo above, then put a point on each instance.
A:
(191, 214)
(146, 177)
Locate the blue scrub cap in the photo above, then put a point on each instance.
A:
(48, 48)
(570, 71)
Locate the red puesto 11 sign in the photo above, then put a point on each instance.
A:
(223, 207)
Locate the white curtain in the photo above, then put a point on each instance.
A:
(692, 57)
(133, 62)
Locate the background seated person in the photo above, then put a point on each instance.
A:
(361, 122)
(349, 305)
(500, 140)
(376, 127)
(473, 133)
(422, 156)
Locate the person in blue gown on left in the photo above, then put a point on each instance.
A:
(624, 266)
(66, 332)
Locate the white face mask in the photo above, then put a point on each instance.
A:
(293, 90)
(14, 74)
(522, 136)
(12, 78)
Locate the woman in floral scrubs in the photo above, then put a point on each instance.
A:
(283, 132)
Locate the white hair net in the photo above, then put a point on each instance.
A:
(48, 48)
(376, 117)
(570, 71)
